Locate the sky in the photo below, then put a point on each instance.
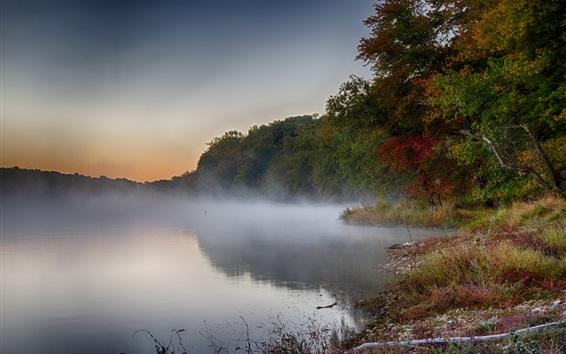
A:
(137, 88)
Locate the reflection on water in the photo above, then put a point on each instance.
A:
(83, 278)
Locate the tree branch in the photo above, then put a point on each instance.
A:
(492, 147)
(517, 168)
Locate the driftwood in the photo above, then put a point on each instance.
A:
(327, 306)
(461, 340)
(400, 246)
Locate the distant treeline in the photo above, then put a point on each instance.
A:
(27, 182)
(467, 104)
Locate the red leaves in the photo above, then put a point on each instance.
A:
(416, 155)
(408, 153)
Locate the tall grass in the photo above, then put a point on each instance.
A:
(555, 238)
(515, 253)
(280, 337)
(385, 213)
(534, 214)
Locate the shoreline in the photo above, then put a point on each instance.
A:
(505, 270)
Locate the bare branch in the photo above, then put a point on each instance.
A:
(523, 169)
(491, 147)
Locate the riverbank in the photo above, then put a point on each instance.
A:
(505, 269)
(383, 213)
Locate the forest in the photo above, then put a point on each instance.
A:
(465, 105)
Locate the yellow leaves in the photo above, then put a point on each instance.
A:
(505, 24)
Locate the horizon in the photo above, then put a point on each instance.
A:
(136, 91)
(34, 168)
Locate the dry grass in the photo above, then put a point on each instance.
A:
(384, 213)
(555, 238)
(504, 262)
(518, 253)
(534, 214)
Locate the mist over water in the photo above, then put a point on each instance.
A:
(81, 274)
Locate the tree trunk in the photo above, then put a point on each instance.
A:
(554, 176)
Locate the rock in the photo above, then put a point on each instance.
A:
(395, 247)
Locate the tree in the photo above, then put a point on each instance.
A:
(348, 136)
(355, 107)
(506, 88)
(218, 165)
(410, 41)
(419, 156)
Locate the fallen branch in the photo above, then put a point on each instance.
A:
(461, 340)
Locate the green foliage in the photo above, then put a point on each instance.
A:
(521, 346)
(505, 89)
(221, 161)
(354, 108)
(278, 153)
(332, 157)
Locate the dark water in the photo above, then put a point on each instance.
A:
(81, 276)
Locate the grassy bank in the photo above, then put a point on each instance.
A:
(504, 270)
(385, 213)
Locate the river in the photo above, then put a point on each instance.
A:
(81, 275)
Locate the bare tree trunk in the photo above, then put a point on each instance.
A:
(543, 157)
(426, 183)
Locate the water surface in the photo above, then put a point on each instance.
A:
(81, 275)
